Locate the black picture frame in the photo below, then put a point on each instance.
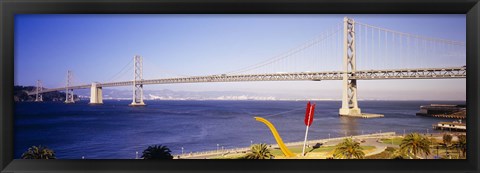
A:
(9, 8)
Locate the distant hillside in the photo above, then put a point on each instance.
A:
(20, 95)
(165, 94)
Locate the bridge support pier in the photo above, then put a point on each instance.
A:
(349, 97)
(96, 94)
(137, 82)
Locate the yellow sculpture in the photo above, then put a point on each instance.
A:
(280, 143)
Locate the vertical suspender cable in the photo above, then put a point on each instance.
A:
(373, 51)
(379, 49)
(386, 50)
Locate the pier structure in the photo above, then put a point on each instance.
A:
(451, 126)
(443, 111)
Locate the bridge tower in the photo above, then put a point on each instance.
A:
(137, 82)
(38, 95)
(68, 90)
(349, 88)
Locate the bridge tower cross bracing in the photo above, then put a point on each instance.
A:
(349, 88)
(38, 95)
(137, 82)
(68, 90)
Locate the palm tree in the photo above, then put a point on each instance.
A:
(259, 151)
(157, 152)
(462, 144)
(415, 143)
(447, 139)
(348, 149)
(40, 152)
(398, 154)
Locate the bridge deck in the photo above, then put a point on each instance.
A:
(421, 73)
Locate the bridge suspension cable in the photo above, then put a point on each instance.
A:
(122, 72)
(170, 73)
(161, 71)
(292, 57)
(76, 81)
(453, 42)
(382, 48)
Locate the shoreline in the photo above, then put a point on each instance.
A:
(319, 100)
(215, 153)
(323, 142)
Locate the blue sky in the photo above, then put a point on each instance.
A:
(97, 47)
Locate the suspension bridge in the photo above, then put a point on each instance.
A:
(382, 53)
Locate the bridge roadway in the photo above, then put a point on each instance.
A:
(420, 73)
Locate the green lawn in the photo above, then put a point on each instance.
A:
(233, 156)
(396, 141)
(278, 152)
(298, 149)
(386, 154)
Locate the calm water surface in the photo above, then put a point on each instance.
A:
(116, 131)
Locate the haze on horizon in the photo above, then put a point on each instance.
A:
(97, 47)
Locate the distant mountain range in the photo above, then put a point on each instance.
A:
(165, 94)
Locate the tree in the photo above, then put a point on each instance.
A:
(398, 154)
(157, 152)
(415, 143)
(462, 144)
(259, 151)
(348, 149)
(447, 139)
(40, 152)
